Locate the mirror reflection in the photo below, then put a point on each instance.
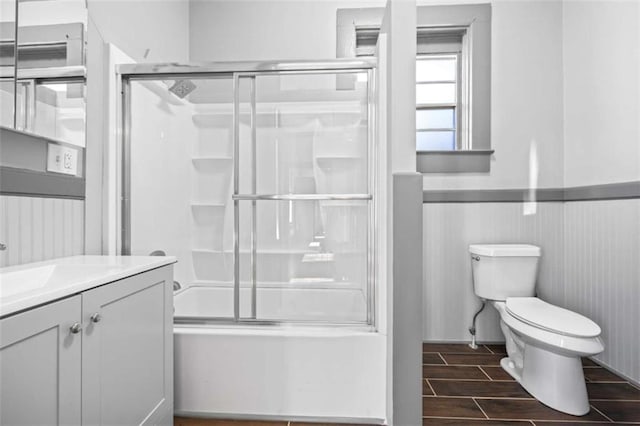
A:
(50, 88)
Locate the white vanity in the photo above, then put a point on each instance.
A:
(87, 340)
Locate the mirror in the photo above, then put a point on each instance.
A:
(50, 76)
(7, 62)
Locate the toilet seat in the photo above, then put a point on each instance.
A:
(559, 343)
(551, 318)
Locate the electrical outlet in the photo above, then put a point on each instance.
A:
(62, 159)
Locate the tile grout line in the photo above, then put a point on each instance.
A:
(431, 387)
(613, 400)
(478, 405)
(484, 372)
(473, 419)
(446, 379)
(489, 349)
(514, 398)
(602, 414)
(442, 358)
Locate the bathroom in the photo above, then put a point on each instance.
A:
(553, 160)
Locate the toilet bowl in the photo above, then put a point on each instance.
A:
(544, 342)
(544, 351)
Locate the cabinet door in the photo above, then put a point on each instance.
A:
(127, 362)
(40, 365)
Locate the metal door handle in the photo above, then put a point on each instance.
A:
(476, 258)
(75, 328)
(96, 317)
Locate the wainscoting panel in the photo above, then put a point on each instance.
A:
(448, 298)
(36, 229)
(602, 275)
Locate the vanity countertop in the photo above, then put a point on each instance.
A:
(32, 284)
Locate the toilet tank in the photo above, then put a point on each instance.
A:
(504, 270)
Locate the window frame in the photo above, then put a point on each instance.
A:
(476, 69)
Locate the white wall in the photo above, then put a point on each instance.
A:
(137, 25)
(601, 41)
(526, 106)
(601, 44)
(526, 98)
(231, 30)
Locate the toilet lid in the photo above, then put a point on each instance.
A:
(546, 316)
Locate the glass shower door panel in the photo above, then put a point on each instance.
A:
(311, 134)
(181, 154)
(310, 261)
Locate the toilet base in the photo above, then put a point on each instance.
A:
(553, 379)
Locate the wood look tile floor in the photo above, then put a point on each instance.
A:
(462, 386)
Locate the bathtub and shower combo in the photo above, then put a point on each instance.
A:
(261, 179)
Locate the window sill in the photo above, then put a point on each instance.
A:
(469, 161)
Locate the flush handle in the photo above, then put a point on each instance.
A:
(476, 258)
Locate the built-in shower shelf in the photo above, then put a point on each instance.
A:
(341, 161)
(221, 119)
(342, 204)
(208, 205)
(300, 252)
(304, 283)
(210, 160)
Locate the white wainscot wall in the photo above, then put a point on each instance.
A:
(35, 229)
(602, 276)
(448, 298)
(589, 265)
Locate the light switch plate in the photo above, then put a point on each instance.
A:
(62, 159)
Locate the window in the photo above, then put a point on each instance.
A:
(437, 103)
(453, 80)
(440, 90)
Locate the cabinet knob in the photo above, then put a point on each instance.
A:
(96, 317)
(75, 328)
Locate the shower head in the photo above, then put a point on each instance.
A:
(182, 88)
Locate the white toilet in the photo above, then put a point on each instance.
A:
(544, 342)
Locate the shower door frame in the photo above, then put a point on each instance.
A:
(126, 73)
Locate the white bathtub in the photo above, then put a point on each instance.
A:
(279, 372)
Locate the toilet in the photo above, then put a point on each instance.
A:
(544, 342)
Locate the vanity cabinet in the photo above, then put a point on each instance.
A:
(102, 357)
(40, 362)
(127, 352)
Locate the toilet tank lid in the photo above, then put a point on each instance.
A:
(546, 316)
(504, 250)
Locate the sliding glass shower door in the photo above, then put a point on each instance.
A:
(261, 183)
